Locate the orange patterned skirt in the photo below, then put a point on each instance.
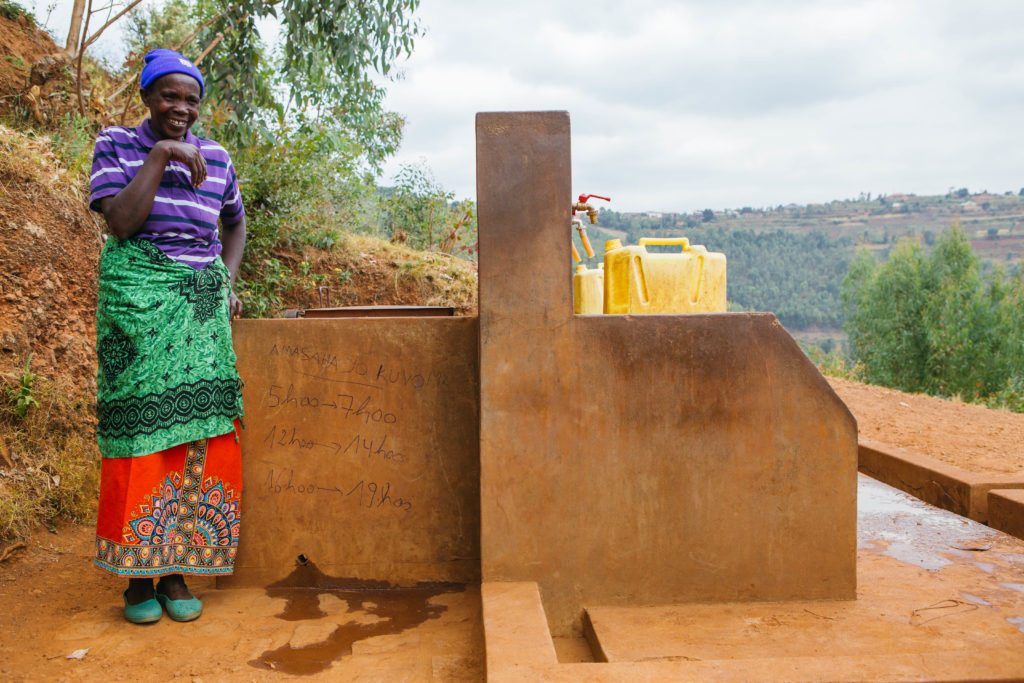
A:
(171, 512)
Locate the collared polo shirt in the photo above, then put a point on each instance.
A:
(183, 220)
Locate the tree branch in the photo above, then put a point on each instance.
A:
(209, 48)
(92, 39)
(78, 66)
(177, 48)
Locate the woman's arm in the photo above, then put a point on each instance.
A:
(233, 239)
(127, 210)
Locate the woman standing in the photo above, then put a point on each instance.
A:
(168, 400)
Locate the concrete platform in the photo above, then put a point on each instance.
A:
(933, 481)
(939, 598)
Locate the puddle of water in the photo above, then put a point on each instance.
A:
(1018, 622)
(975, 599)
(915, 532)
(398, 609)
(1013, 586)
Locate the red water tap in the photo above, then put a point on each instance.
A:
(582, 204)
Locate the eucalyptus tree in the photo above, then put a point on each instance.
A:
(323, 67)
(324, 64)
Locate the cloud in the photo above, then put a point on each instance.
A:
(685, 105)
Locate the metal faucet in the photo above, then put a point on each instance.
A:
(581, 204)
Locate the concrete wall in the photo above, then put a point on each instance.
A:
(640, 459)
(360, 449)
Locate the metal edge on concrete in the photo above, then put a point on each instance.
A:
(933, 481)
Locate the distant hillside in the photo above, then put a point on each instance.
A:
(791, 259)
(994, 222)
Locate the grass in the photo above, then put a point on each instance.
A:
(49, 461)
(31, 158)
(53, 468)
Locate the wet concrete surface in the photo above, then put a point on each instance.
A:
(386, 611)
(915, 532)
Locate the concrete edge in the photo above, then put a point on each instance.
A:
(1006, 511)
(590, 635)
(516, 631)
(934, 666)
(933, 481)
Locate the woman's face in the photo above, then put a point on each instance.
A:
(173, 102)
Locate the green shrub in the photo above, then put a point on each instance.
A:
(73, 142)
(419, 212)
(12, 10)
(835, 363)
(1010, 396)
(19, 393)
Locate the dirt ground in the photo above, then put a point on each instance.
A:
(971, 437)
(55, 603)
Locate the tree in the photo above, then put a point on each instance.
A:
(328, 53)
(883, 307)
(934, 324)
(419, 212)
(75, 30)
(958, 319)
(323, 71)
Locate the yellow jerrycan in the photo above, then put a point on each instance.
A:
(588, 290)
(635, 281)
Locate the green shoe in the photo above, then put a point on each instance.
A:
(146, 612)
(181, 610)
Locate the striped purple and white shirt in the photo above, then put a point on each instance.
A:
(183, 221)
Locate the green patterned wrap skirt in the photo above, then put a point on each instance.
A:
(163, 339)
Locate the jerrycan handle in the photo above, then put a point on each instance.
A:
(684, 242)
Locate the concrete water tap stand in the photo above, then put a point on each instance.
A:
(640, 459)
(579, 466)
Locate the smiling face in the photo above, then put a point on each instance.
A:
(173, 102)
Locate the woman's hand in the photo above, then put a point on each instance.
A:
(127, 210)
(234, 306)
(187, 154)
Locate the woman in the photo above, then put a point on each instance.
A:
(168, 399)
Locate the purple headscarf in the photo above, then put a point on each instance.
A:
(161, 62)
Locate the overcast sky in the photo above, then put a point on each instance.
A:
(693, 104)
(684, 105)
